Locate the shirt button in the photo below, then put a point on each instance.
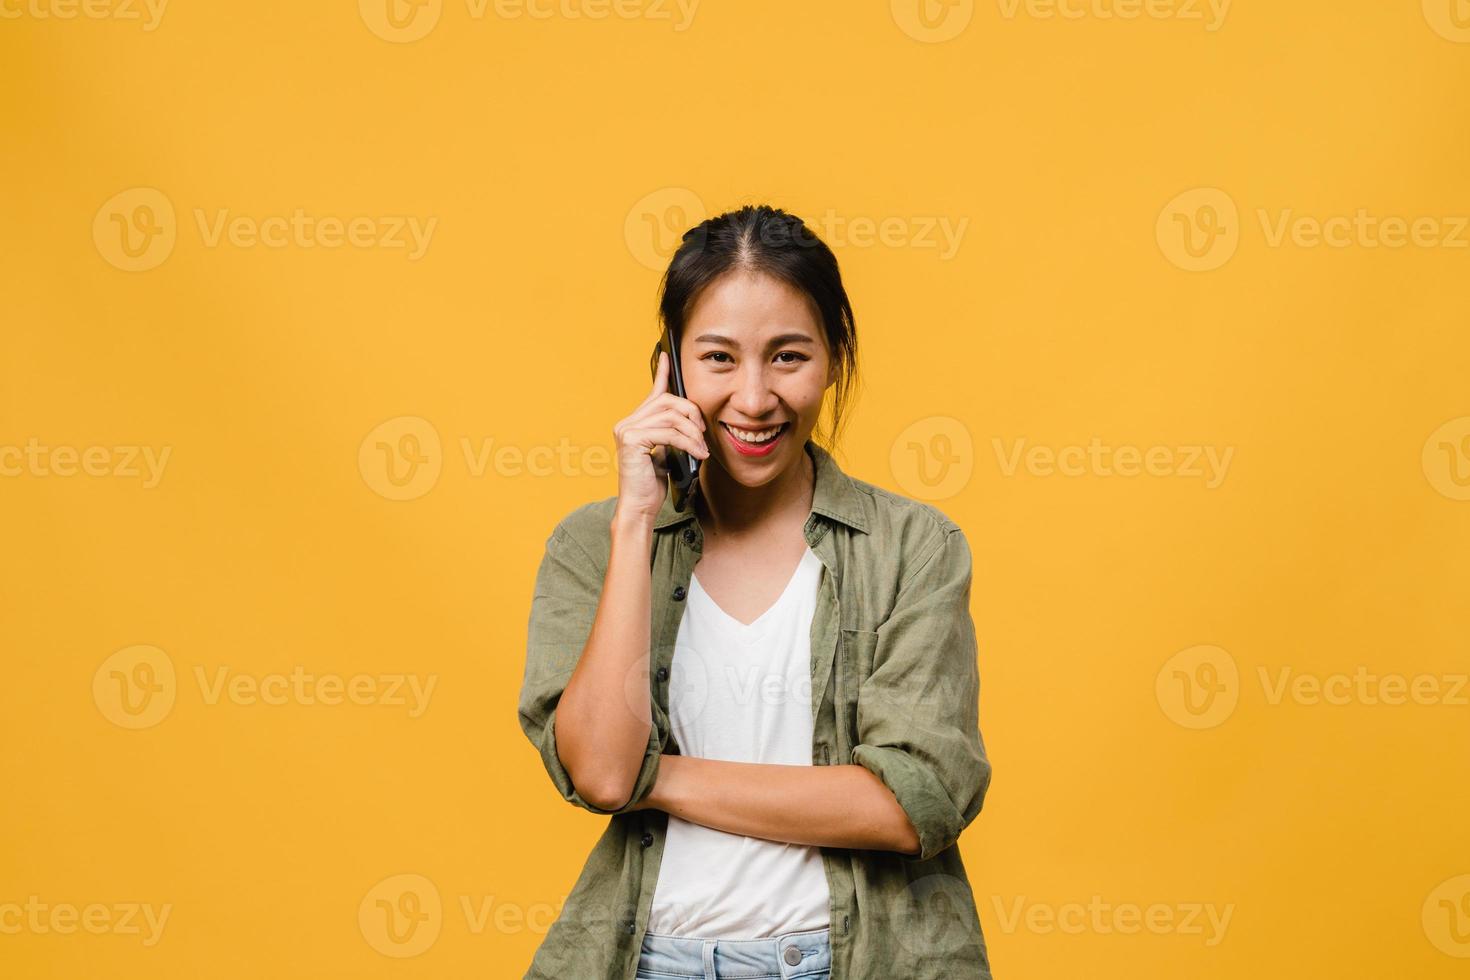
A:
(793, 955)
(632, 928)
(679, 593)
(647, 840)
(689, 535)
(662, 673)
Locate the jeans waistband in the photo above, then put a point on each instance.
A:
(789, 956)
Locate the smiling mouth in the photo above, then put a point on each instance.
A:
(766, 434)
(747, 446)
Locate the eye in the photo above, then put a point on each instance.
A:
(717, 353)
(799, 357)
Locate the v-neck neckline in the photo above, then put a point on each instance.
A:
(755, 624)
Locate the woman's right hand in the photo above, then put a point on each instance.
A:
(662, 420)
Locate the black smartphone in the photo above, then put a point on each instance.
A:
(683, 468)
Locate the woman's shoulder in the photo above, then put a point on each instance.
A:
(587, 526)
(896, 519)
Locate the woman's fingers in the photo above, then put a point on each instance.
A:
(665, 436)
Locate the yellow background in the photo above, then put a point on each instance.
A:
(548, 151)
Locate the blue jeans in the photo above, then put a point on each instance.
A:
(692, 958)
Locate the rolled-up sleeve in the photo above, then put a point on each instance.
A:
(564, 603)
(918, 711)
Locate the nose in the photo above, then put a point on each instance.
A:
(753, 397)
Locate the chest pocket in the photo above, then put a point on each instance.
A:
(855, 655)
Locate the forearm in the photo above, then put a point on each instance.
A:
(603, 719)
(826, 806)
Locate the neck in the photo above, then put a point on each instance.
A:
(728, 508)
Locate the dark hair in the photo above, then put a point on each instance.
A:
(767, 240)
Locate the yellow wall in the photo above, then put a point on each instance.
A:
(1170, 233)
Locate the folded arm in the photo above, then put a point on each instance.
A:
(824, 806)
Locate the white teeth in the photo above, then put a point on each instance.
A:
(764, 435)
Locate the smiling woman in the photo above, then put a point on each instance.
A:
(788, 742)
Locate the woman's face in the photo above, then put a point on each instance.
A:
(755, 359)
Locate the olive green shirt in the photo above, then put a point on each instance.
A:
(895, 688)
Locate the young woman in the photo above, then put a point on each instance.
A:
(774, 692)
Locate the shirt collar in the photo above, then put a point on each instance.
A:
(833, 495)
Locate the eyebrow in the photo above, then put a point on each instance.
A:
(777, 341)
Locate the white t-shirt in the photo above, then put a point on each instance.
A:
(742, 693)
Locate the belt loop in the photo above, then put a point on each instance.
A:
(709, 959)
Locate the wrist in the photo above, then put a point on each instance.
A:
(665, 784)
(631, 525)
